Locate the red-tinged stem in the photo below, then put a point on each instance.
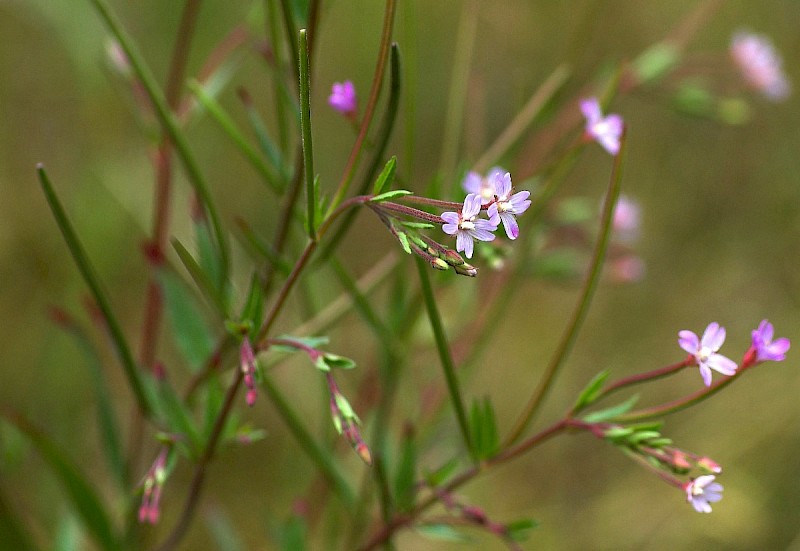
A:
(645, 377)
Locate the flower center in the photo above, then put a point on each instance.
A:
(466, 225)
(504, 206)
(704, 354)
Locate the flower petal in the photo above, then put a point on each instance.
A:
(591, 110)
(472, 183)
(721, 364)
(450, 217)
(705, 372)
(510, 225)
(482, 234)
(688, 341)
(713, 337)
(472, 206)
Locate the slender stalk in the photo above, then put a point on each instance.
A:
(305, 131)
(369, 110)
(444, 353)
(643, 378)
(579, 315)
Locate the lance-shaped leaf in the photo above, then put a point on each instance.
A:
(612, 412)
(386, 177)
(192, 335)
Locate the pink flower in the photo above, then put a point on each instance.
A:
(702, 491)
(626, 219)
(466, 227)
(475, 183)
(705, 351)
(343, 98)
(507, 206)
(604, 130)
(765, 348)
(149, 510)
(627, 269)
(760, 64)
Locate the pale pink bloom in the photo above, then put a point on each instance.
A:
(477, 184)
(466, 226)
(760, 64)
(343, 98)
(705, 351)
(247, 360)
(627, 269)
(702, 491)
(604, 130)
(765, 348)
(507, 206)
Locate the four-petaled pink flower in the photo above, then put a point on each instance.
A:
(604, 130)
(705, 351)
(702, 491)
(466, 226)
(343, 98)
(760, 65)
(507, 206)
(765, 348)
(477, 184)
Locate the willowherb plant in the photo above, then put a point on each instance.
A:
(493, 227)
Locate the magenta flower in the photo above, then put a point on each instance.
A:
(604, 130)
(149, 510)
(507, 206)
(705, 351)
(466, 227)
(477, 184)
(765, 348)
(702, 491)
(343, 98)
(760, 65)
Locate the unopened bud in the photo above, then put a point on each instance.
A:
(466, 269)
(709, 465)
(439, 264)
(453, 258)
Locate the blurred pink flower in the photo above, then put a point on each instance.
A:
(343, 98)
(760, 64)
(604, 130)
(477, 184)
(626, 220)
(507, 206)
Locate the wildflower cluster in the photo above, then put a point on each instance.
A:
(760, 65)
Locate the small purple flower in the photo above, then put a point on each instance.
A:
(705, 351)
(466, 227)
(149, 510)
(507, 206)
(760, 64)
(765, 348)
(702, 491)
(604, 130)
(477, 184)
(343, 98)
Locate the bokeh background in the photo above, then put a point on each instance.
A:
(720, 239)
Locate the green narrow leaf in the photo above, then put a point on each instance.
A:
(86, 503)
(209, 260)
(443, 532)
(229, 127)
(294, 534)
(334, 361)
(191, 333)
(484, 428)
(403, 238)
(589, 394)
(390, 195)
(200, 278)
(178, 418)
(405, 490)
(93, 282)
(386, 177)
(215, 395)
(265, 142)
(609, 413)
(262, 251)
(439, 476)
(305, 131)
(519, 530)
(69, 536)
(253, 311)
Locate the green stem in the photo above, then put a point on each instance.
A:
(579, 315)
(93, 282)
(305, 130)
(444, 352)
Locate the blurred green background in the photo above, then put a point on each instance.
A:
(719, 238)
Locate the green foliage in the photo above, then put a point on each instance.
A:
(589, 394)
(405, 489)
(386, 177)
(390, 195)
(483, 424)
(190, 330)
(609, 414)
